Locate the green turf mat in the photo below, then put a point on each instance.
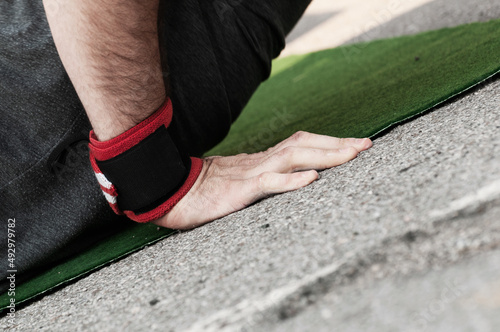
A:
(360, 90)
(113, 248)
(356, 90)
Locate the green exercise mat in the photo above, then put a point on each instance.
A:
(349, 91)
(362, 89)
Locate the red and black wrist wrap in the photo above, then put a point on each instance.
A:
(141, 172)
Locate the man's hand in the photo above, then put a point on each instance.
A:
(229, 184)
(115, 67)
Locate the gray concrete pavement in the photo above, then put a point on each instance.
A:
(404, 237)
(461, 297)
(330, 23)
(425, 197)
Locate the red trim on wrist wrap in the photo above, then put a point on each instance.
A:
(124, 154)
(115, 146)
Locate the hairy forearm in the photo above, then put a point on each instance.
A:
(110, 51)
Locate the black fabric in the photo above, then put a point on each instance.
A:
(218, 52)
(147, 174)
(216, 55)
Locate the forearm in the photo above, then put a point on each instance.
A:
(110, 51)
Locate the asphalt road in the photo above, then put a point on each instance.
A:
(405, 237)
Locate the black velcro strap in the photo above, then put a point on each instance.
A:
(147, 174)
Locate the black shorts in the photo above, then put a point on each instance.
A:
(217, 54)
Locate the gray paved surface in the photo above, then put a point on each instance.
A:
(463, 297)
(430, 16)
(404, 237)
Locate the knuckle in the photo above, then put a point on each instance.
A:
(287, 153)
(299, 136)
(262, 181)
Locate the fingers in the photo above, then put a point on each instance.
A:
(304, 140)
(309, 140)
(274, 183)
(228, 184)
(292, 159)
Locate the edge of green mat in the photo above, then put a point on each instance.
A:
(4, 305)
(419, 113)
(476, 77)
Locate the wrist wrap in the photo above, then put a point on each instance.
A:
(141, 172)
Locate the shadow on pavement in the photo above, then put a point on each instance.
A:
(431, 16)
(308, 23)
